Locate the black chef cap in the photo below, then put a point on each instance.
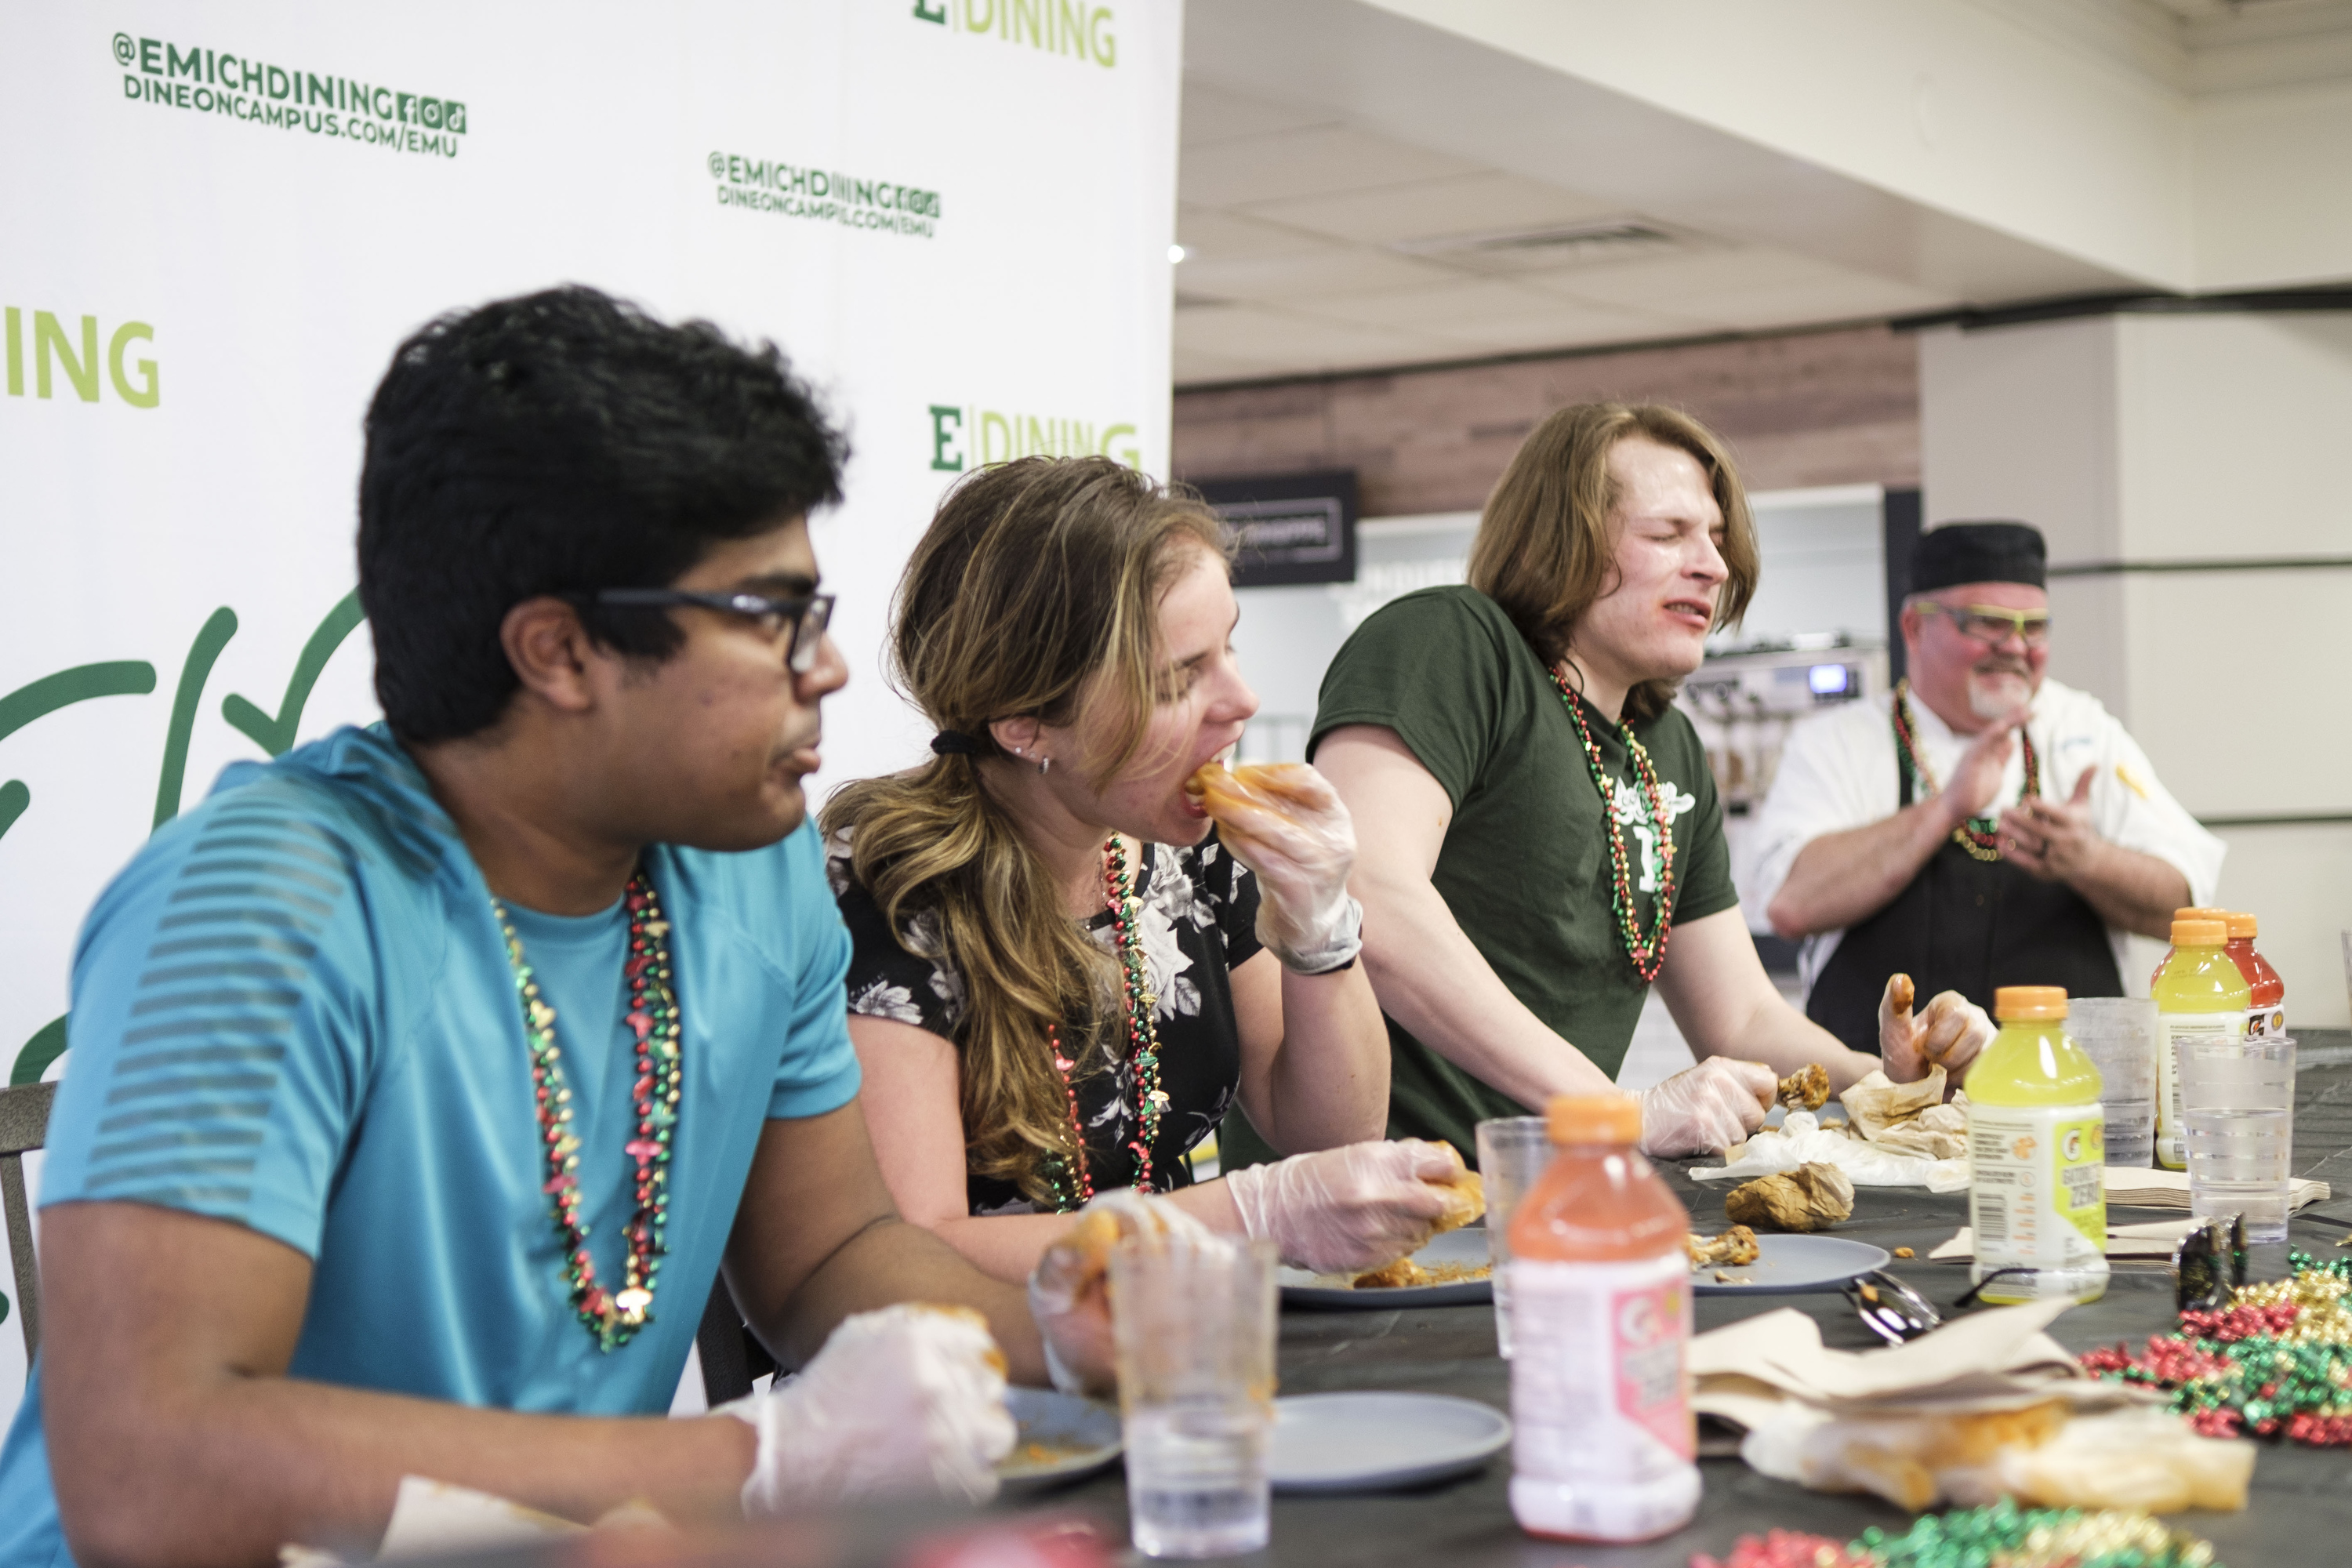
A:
(1978, 552)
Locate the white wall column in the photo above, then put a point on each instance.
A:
(2185, 469)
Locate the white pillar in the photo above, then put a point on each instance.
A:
(2189, 471)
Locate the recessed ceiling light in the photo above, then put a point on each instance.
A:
(1177, 253)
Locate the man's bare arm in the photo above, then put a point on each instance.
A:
(817, 1239)
(175, 1438)
(1840, 879)
(1429, 975)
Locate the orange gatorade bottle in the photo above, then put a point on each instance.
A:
(2267, 1014)
(1600, 1319)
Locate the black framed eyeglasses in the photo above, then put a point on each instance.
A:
(2210, 1264)
(803, 619)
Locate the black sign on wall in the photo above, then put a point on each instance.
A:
(1288, 528)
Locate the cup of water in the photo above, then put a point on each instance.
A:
(2237, 1101)
(1192, 1321)
(2118, 1033)
(1513, 1150)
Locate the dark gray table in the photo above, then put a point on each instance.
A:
(2301, 1510)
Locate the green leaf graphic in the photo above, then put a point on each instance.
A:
(202, 653)
(123, 678)
(47, 1044)
(277, 735)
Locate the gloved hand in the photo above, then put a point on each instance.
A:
(1708, 1107)
(1285, 822)
(1066, 1289)
(1946, 1033)
(1353, 1207)
(907, 1400)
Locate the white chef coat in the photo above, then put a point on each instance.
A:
(1837, 772)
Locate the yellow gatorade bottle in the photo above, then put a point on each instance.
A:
(2201, 989)
(2037, 1154)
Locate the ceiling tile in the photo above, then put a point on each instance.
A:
(1278, 338)
(1215, 114)
(1463, 204)
(1191, 366)
(1320, 275)
(1214, 235)
(1315, 162)
(1750, 287)
(1426, 306)
(1557, 329)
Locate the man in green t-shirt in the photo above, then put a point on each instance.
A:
(1537, 819)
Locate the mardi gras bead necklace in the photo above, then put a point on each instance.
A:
(1978, 836)
(1068, 1173)
(1647, 957)
(2001, 1533)
(612, 1318)
(2275, 1362)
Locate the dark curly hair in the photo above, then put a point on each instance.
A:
(556, 444)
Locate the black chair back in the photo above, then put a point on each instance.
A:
(24, 1127)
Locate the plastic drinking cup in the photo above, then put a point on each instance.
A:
(2118, 1033)
(1513, 1152)
(2237, 1100)
(1192, 1320)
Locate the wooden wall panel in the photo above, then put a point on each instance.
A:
(1810, 408)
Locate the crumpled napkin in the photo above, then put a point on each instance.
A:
(1802, 1140)
(1987, 1406)
(1909, 1116)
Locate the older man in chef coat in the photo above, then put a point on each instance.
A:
(1982, 826)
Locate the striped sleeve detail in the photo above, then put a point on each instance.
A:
(198, 1064)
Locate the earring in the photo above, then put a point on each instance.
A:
(1044, 763)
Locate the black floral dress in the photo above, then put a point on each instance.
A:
(1199, 922)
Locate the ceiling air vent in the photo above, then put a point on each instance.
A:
(1554, 246)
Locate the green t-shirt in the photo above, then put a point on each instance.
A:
(1526, 866)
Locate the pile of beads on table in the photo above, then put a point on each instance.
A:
(2275, 1362)
(2000, 1536)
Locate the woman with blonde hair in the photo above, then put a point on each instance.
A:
(1550, 842)
(1064, 973)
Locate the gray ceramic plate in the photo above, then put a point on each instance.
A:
(1359, 1442)
(1062, 1439)
(1301, 1289)
(1785, 1263)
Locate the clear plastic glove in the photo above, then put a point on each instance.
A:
(1948, 1033)
(906, 1401)
(1354, 1207)
(1285, 822)
(1711, 1106)
(1067, 1293)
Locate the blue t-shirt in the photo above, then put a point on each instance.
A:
(293, 1010)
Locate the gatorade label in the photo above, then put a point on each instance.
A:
(2037, 1187)
(2171, 1142)
(2266, 1023)
(1600, 1381)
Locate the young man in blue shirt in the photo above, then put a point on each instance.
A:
(421, 1077)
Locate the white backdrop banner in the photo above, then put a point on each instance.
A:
(954, 215)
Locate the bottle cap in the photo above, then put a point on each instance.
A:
(2242, 924)
(2028, 1002)
(1595, 1119)
(2199, 912)
(2201, 932)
